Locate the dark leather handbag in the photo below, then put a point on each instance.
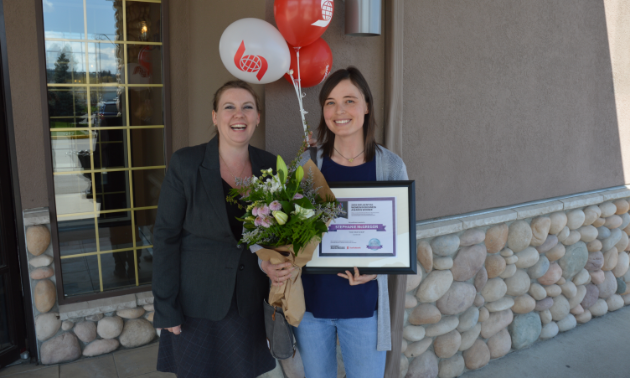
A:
(279, 333)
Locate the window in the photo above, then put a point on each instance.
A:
(105, 91)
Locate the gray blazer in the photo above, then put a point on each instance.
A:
(389, 167)
(197, 264)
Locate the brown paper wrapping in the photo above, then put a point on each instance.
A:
(290, 295)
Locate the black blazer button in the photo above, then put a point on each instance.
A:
(241, 267)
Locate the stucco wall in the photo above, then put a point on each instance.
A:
(283, 125)
(206, 21)
(23, 55)
(618, 23)
(507, 102)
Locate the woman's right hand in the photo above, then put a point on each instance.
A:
(277, 273)
(174, 330)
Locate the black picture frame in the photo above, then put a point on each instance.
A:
(364, 186)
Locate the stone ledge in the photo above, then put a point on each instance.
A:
(452, 224)
(438, 228)
(616, 194)
(582, 201)
(33, 217)
(538, 209)
(101, 306)
(488, 219)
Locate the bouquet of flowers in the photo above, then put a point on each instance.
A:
(286, 215)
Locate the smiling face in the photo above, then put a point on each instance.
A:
(345, 109)
(236, 117)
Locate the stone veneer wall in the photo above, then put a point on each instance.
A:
(67, 332)
(490, 284)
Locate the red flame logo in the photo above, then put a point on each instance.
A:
(250, 63)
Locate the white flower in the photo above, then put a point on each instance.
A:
(303, 213)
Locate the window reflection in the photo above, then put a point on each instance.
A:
(80, 275)
(77, 236)
(119, 270)
(146, 186)
(111, 149)
(104, 20)
(67, 107)
(145, 106)
(95, 142)
(71, 150)
(143, 22)
(65, 62)
(63, 19)
(144, 147)
(108, 106)
(112, 190)
(106, 63)
(73, 196)
(114, 231)
(145, 64)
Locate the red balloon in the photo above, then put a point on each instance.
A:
(315, 63)
(301, 22)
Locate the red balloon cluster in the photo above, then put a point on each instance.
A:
(301, 23)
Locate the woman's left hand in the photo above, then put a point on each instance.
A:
(357, 279)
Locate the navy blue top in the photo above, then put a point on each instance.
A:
(328, 295)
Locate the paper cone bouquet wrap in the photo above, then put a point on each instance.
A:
(287, 213)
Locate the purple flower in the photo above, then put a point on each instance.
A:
(297, 196)
(275, 205)
(255, 212)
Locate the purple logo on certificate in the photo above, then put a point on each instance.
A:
(372, 227)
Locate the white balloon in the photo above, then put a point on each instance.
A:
(254, 51)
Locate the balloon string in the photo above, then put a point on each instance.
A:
(298, 91)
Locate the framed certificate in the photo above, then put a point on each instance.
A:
(376, 233)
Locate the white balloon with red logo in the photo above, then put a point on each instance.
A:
(254, 51)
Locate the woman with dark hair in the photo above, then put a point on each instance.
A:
(349, 306)
(208, 288)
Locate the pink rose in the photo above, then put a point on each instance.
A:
(298, 196)
(275, 205)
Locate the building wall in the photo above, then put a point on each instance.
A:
(618, 25)
(284, 127)
(503, 103)
(507, 103)
(196, 28)
(23, 57)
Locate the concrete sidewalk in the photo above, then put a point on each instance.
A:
(124, 363)
(597, 349)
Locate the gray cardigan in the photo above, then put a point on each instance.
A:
(389, 167)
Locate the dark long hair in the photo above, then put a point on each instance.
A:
(326, 136)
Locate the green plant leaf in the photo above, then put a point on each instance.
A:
(286, 206)
(281, 168)
(305, 203)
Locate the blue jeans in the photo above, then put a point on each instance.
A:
(317, 342)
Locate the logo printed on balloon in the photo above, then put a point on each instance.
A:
(325, 73)
(250, 63)
(327, 13)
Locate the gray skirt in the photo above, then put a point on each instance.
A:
(231, 347)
